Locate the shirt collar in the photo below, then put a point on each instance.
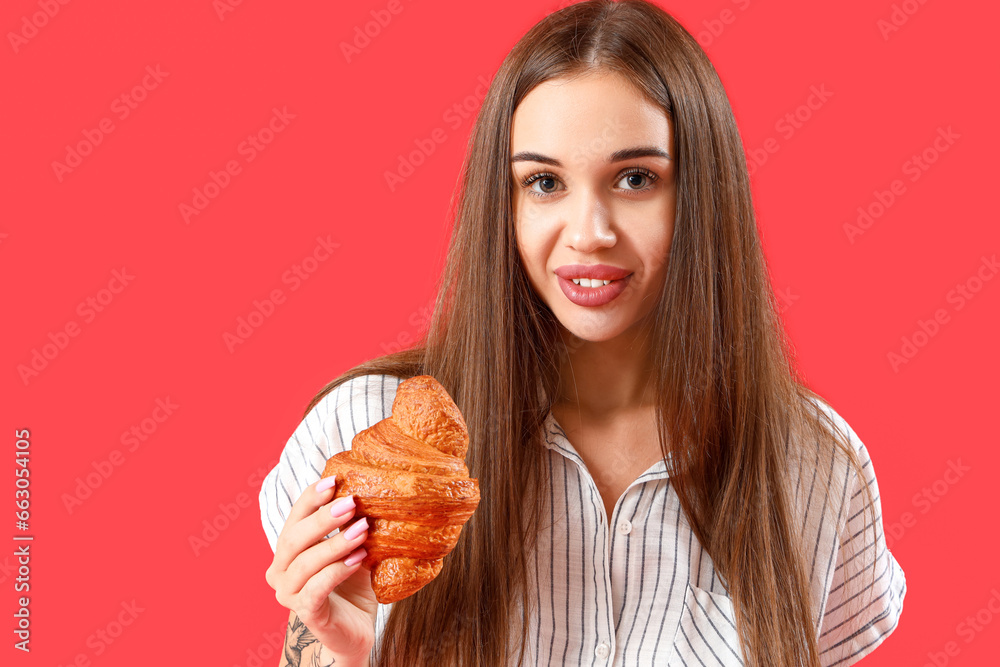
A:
(556, 440)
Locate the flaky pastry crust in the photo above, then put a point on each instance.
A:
(408, 476)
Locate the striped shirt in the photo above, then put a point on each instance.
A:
(638, 589)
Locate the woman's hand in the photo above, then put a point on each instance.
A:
(321, 579)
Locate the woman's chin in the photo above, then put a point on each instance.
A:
(601, 329)
(592, 332)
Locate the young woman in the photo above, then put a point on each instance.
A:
(657, 485)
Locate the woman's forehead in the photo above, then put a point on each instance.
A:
(594, 114)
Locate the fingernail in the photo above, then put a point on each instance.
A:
(342, 506)
(326, 483)
(358, 527)
(355, 557)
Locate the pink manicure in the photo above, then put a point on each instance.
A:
(326, 483)
(358, 527)
(355, 558)
(342, 506)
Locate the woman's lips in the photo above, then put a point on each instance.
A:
(593, 296)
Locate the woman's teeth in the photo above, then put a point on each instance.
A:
(587, 282)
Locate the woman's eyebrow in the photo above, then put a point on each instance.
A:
(617, 156)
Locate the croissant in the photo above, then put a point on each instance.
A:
(408, 476)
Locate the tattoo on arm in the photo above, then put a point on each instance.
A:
(299, 637)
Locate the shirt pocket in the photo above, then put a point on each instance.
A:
(706, 633)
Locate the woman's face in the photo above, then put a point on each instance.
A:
(594, 197)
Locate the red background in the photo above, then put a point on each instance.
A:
(323, 175)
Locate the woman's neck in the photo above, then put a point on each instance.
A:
(607, 377)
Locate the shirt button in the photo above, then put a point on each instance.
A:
(603, 650)
(624, 527)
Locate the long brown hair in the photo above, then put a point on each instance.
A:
(732, 411)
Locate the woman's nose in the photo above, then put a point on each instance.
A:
(588, 227)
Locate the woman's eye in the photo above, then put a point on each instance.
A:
(635, 181)
(547, 185)
(638, 180)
